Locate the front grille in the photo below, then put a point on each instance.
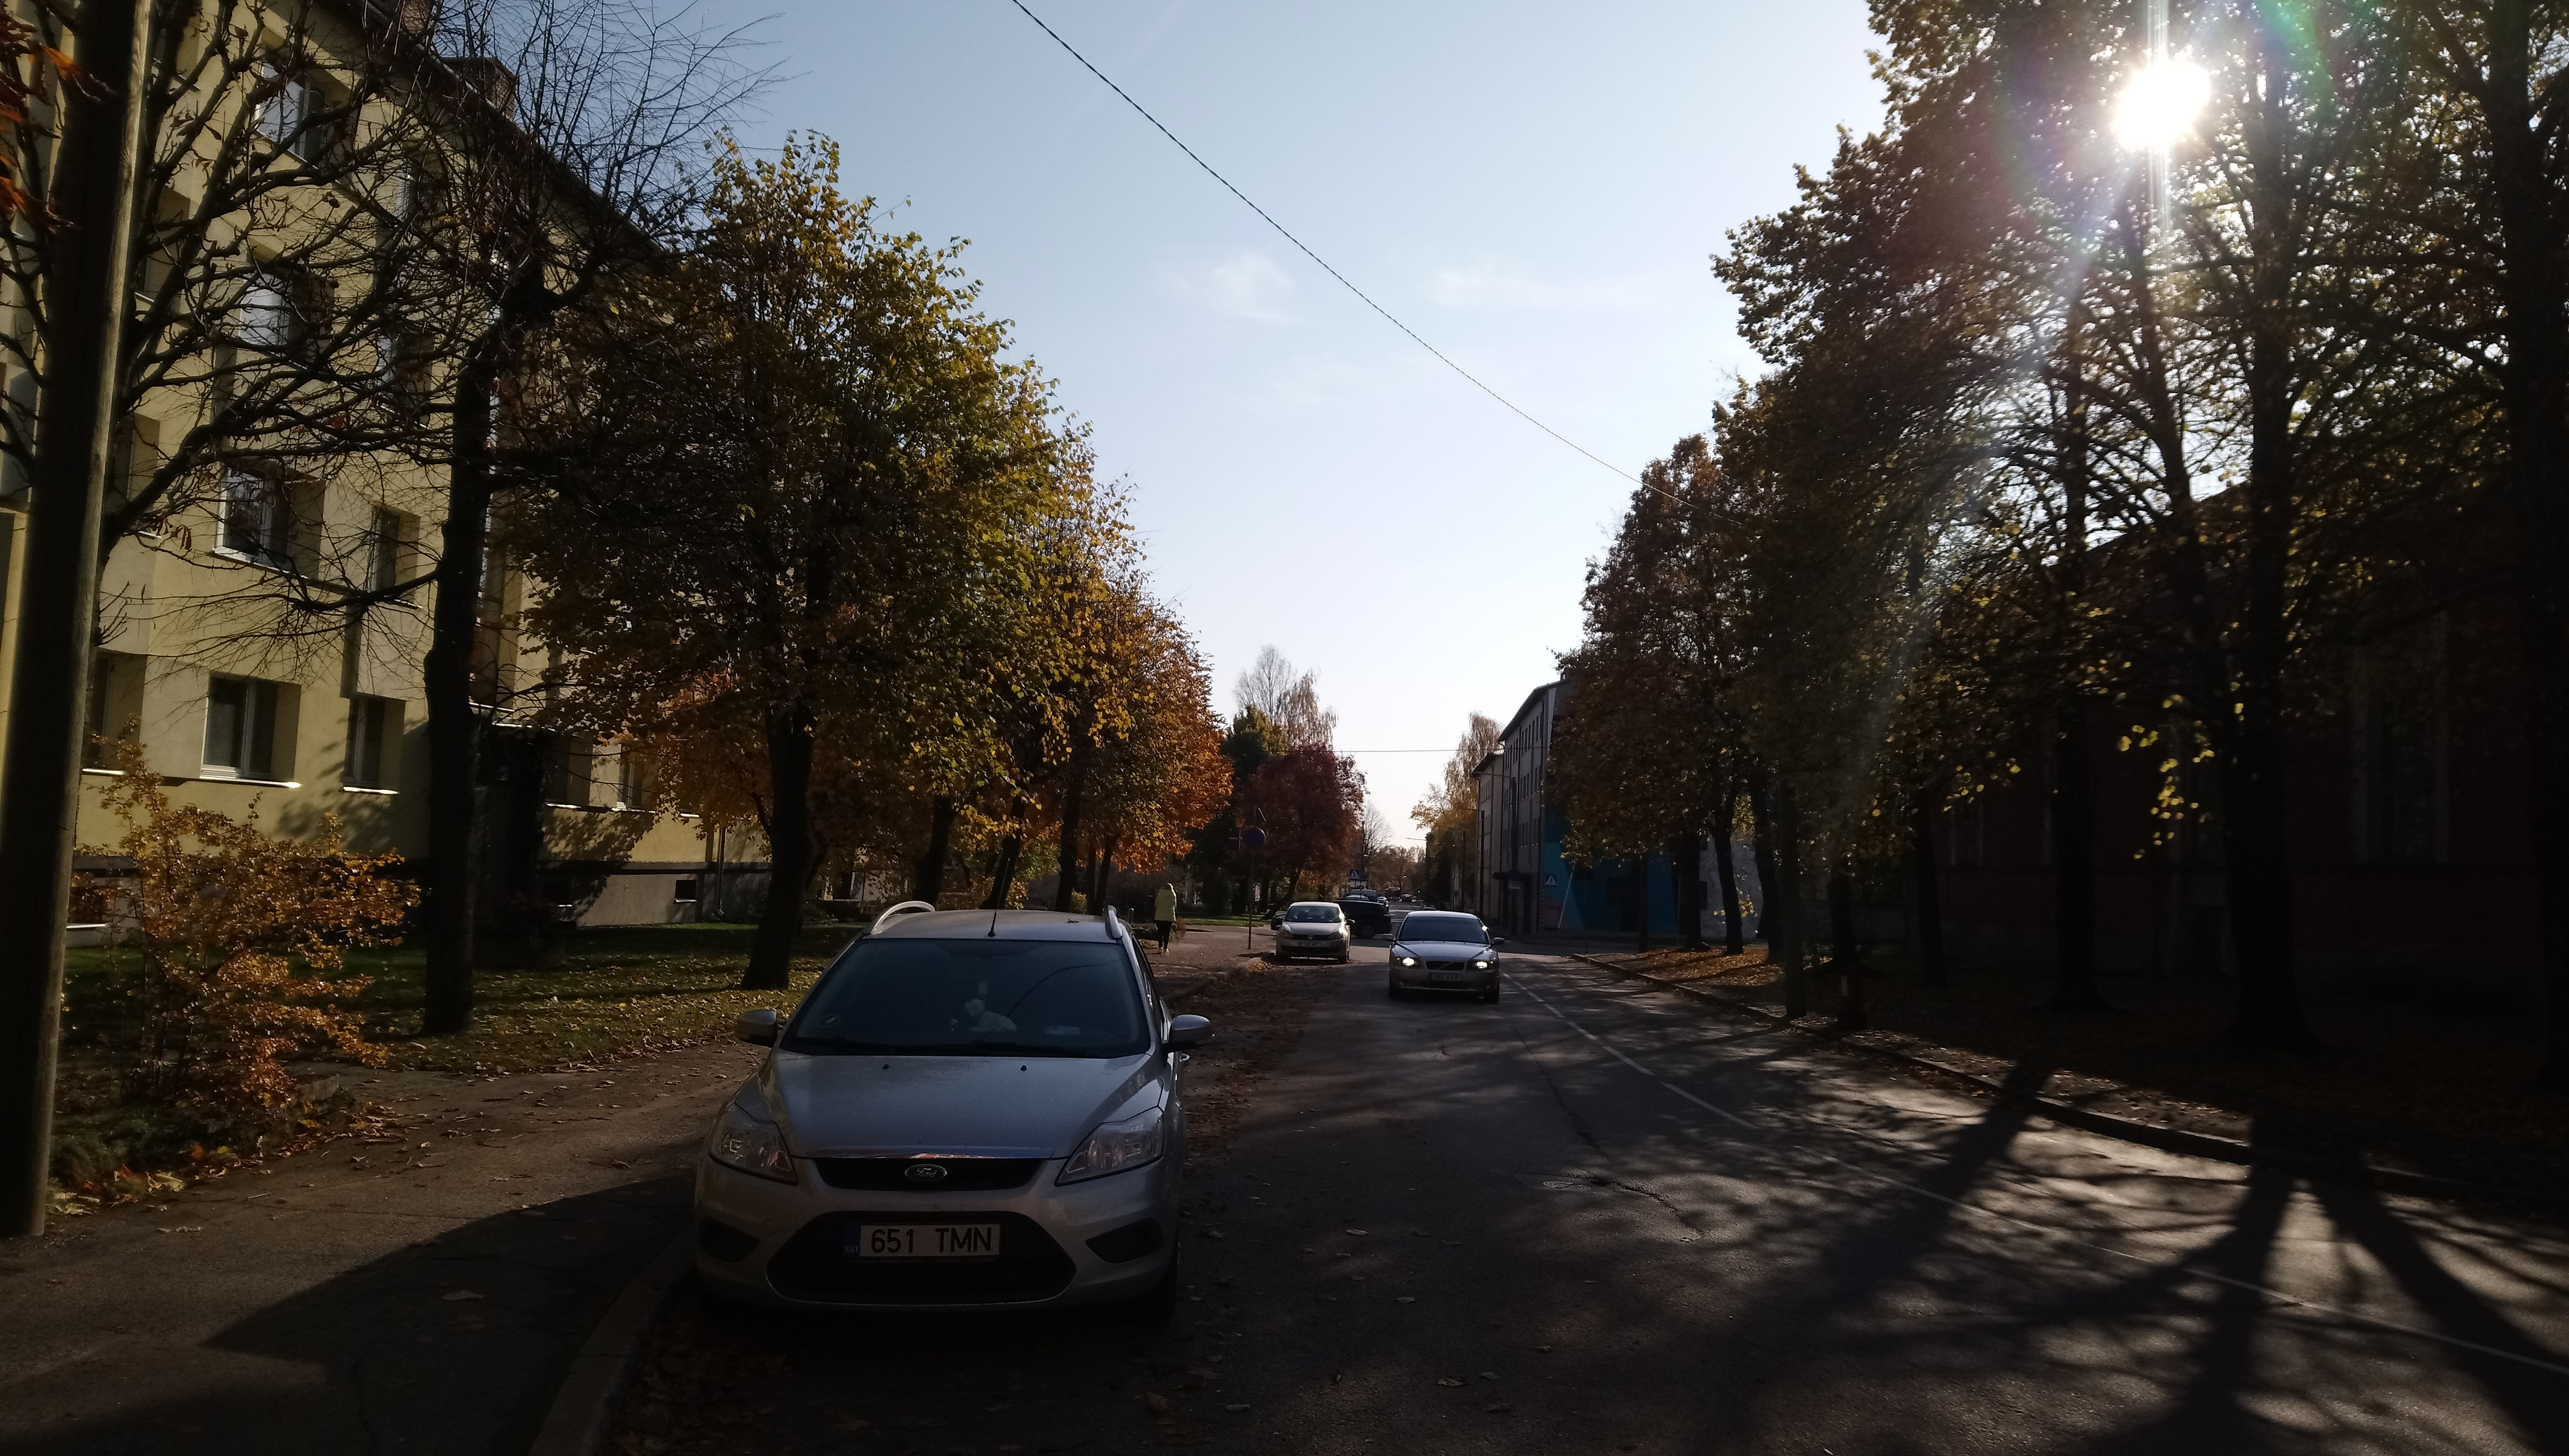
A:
(814, 1265)
(1444, 965)
(962, 1175)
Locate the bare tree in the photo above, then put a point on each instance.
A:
(1289, 700)
(567, 163)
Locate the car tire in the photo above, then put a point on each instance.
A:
(1342, 958)
(1490, 997)
(1155, 1308)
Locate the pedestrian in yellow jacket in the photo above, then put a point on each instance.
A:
(1163, 913)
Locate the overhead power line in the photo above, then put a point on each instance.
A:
(1317, 258)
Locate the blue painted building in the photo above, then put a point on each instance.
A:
(1523, 884)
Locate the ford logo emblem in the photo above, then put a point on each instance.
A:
(924, 1172)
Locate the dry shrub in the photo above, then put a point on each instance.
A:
(240, 940)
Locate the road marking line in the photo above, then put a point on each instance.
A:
(2186, 1264)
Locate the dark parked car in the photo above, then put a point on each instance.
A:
(1367, 916)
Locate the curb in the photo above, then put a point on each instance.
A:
(2165, 1138)
(592, 1391)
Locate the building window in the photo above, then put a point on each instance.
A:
(258, 519)
(1968, 830)
(240, 728)
(401, 371)
(632, 780)
(292, 118)
(685, 889)
(374, 725)
(277, 309)
(115, 702)
(384, 540)
(566, 772)
(2402, 760)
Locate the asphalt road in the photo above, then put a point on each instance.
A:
(1598, 1217)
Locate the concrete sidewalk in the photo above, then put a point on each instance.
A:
(420, 1296)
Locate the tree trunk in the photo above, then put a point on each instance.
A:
(1641, 904)
(928, 878)
(2073, 865)
(789, 848)
(1761, 825)
(1733, 935)
(2258, 879)
(454, 723)
(1931, 907)
(1689, 865)
(74, 470)
(1098, 864)
(1012, 851)
(2535, 379)
(1066, 863)
(1784, 940)
(1845, 957)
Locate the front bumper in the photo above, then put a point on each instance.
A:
(1290, 943)
(782, 1245)
(1443, 977)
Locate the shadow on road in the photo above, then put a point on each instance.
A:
(454, 1344)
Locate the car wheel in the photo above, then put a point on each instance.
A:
(1154, 1310)
(1342, 958)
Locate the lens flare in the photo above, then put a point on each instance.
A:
(2161, 103)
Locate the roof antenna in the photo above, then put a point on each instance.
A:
(995, 924)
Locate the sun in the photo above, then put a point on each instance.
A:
(2160, 104)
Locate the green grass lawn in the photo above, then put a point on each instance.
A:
(619, 992)
(619, 989)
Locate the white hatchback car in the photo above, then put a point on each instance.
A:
(971, 1108)
(1313, 928)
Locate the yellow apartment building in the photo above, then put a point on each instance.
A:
(238, 714)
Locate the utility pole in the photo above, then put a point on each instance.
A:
(101, 140)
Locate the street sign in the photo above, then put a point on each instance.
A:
(1252, 838)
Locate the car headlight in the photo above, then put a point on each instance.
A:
(1481, 964)
(751, 1144)
(1409, 960)
(1116, 1146)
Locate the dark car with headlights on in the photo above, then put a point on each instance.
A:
(1447, 951)
(1367, 915)
(971, 1109)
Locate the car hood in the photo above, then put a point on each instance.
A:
(1444, 950)
(995, 1106)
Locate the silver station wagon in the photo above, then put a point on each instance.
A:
(969, 1109)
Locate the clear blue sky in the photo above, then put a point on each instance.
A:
(1536, 188)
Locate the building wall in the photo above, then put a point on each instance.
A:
(189, 617)
(2410, 848)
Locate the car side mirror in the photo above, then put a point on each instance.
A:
(1185, 1032)
(758, 1028)
(1498, 940)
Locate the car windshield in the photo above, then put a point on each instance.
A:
(1309, 912)
(1441, 927)
(921, 997)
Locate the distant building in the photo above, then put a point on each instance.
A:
(1521, 882)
